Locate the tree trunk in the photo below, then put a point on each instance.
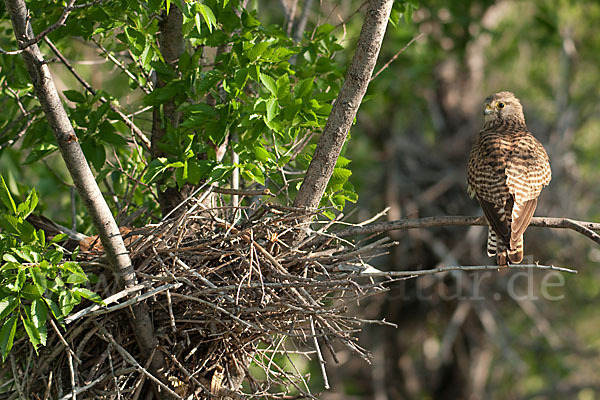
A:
(82, 176)
(346, 105)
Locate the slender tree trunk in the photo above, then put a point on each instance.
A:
(82, 176)
(346, 105)
(171, 47)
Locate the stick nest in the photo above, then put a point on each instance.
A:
(221, 291)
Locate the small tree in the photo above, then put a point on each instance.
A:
(192, 95)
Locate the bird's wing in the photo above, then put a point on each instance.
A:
(521, 217)
(497, 217)
(527, 169)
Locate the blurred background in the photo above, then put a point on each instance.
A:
(479, 336)
(498, 335)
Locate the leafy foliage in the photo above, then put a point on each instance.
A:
(237, 81)
(35, 283)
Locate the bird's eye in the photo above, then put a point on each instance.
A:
(500, 105)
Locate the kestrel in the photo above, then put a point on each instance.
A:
(508, 167)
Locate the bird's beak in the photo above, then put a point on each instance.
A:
(488, 110)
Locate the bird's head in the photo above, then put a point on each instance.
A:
(503, 106)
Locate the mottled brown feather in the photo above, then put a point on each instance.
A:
(508, 167)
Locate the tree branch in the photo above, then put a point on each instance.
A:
(23, 44)
(144, 140)
(346, 105)
(468, 268)
(585, 228)
(395, 56)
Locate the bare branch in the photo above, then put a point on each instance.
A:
(585, 228)
(301, 25)
(387, 64)
(467, 268)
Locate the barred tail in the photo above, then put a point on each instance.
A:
(491, 242)
(497, 248)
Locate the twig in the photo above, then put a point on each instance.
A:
(391, 60)
(97, 310)
(319, 355)
(216, 307)
(72, 375)
(122, 67)
(243, 192)
(62, 339)
(80, 389)
(412, 274)
(42, 35)
(115, 297)
(16, 375)
(131, 360)
(364, 3)
(140, 135)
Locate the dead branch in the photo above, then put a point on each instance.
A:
(467, 268)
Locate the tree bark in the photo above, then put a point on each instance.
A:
(171, 47)
(80, 172)
(346, 105)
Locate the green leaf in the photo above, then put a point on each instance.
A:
(9, 258)
(94, 152)
(74, 96)
(168, 5)
(56, 311)
(208, 16)
(269, 83)
(342, 162)
(88, 294)
(198, 24)
(272, 109)
(32, 332)
(341, 174)
(252, 172)
(324, 30)
(7, 335)
(24, 253)
(58, 238)
(25, 208)
(261, 154)
(77, 278)
(31, 291)
(39, 279)
(257, 50)
(39, 313)
(39, 152)
(11, 224)
(7, 305)
(67, 302)
(6, 197)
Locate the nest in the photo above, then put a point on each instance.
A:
(228, 298)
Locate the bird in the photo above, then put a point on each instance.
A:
(507, 169)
